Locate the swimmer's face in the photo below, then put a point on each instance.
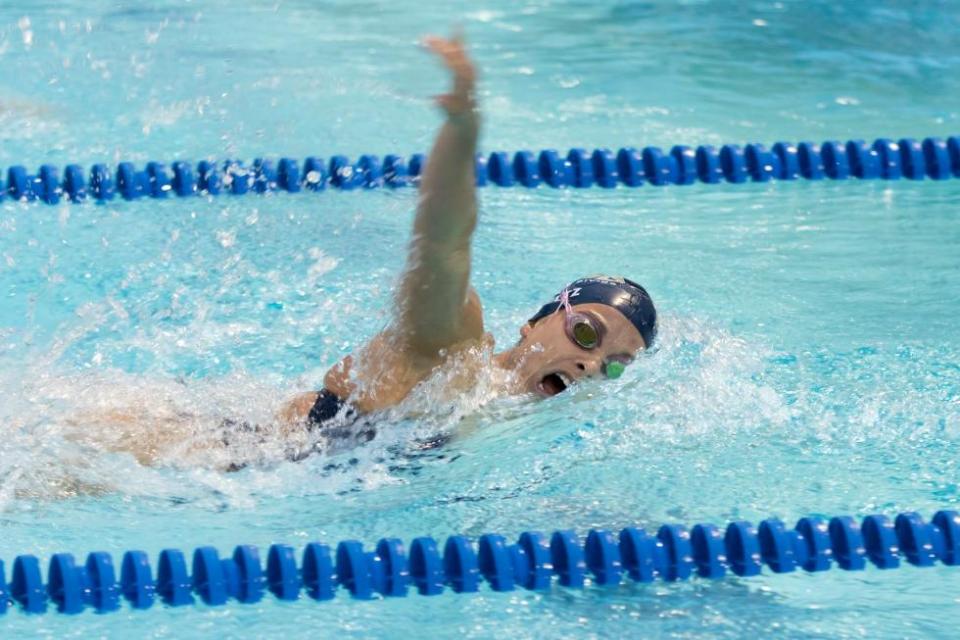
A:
(551, 359)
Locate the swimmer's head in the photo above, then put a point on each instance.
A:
(594, 327)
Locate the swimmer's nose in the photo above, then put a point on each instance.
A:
(590, 368)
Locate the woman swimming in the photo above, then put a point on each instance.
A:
(591, 328)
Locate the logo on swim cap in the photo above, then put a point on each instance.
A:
(626, 296)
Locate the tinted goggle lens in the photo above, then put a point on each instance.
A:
(585, 334)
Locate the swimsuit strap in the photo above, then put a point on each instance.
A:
(327, 407)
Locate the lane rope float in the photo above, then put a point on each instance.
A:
(884, 159)
(674, 552)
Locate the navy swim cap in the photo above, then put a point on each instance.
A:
(626, 296)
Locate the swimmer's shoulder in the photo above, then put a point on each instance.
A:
(387, 370)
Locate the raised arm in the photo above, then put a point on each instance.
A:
(436, 306)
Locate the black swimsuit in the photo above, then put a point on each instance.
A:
(339, 426)
(326, 407)
(336, 419)
(337, 423)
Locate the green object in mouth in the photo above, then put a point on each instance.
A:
(614, 369)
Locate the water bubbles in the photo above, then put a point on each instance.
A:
(226, 239)
(484, 15)
(566, 82)
(322, 265)
(847, 101)
(26, 32)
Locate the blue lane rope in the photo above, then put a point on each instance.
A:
(886, 159)
(672, 553)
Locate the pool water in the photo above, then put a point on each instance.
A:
(808, 360)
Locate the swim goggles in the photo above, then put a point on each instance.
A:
(585, 334)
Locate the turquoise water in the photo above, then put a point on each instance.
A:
(808, 361)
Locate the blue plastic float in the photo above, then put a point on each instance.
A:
(391, 569)
(886, 159)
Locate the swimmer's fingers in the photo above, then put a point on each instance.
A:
(450, 50)
(454, 56)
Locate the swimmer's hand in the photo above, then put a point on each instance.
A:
(461, 100)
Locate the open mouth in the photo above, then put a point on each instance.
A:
(553, 383)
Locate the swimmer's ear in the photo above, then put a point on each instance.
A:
(525, 330)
